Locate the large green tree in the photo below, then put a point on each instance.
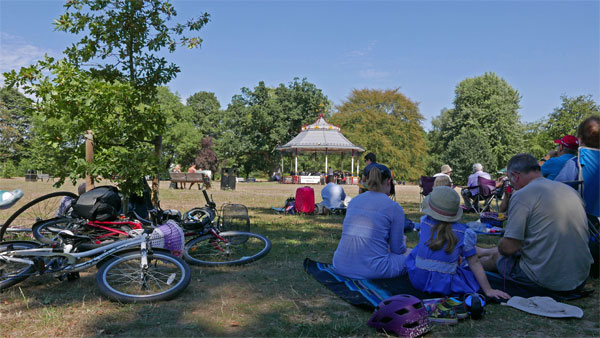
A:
(563, 120)
(387, 123)
(485, 108)
(258, 120)
(14, 125)
(206, 113)
(107, 83)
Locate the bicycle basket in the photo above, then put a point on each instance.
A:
(198, 218)
(234, 217)
(168, 236)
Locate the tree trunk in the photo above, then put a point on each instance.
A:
(156, 180)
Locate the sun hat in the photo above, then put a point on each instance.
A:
(568, 141)
(544, 306)
(446, 169)
(443, 204)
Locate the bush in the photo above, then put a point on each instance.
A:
(24, 165)
(8, 169)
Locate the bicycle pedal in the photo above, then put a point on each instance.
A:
(73, 276)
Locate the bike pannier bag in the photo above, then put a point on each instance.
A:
(305, 200)
(99, 204)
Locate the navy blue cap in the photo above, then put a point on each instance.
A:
(385, 171)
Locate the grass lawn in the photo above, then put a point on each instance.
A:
(270, 297)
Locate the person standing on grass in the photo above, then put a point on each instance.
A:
(370, 161)
(545, 243)
(373, 243)
(434, 265)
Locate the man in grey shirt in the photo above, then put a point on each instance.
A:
(546, 237)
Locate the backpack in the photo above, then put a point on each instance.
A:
(305, 200)
(99, 204)
(289, 207)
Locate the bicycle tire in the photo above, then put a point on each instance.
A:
(45, 231)
(119, 278)
(41, 208)
(12, 273)
(241, 248)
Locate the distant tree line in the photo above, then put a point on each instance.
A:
(483, 126)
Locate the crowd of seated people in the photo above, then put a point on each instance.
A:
(544, 246)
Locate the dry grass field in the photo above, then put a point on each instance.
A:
(270, 297)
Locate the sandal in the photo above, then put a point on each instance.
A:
(458, 307)
(449, 302)
(443, 315)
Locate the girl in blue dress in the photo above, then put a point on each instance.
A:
(435, 264)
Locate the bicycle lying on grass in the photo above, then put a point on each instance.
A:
(129, 270)
(210, 240)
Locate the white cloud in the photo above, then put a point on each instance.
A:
(15, 52)
(358, 55)
(373, 74)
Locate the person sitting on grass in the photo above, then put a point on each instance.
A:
(434, 265)
(373, 243)
(545, 242)
(333, 196)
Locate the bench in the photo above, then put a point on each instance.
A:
(198, 178)
(43, 177)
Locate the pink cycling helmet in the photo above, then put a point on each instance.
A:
(404, 315)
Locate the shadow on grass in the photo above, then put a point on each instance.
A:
(270, 297)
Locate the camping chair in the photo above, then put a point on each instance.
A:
(426, 184)
(486, 195)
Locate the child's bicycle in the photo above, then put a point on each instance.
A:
(129, 270)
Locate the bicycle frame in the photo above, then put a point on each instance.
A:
(72, 258)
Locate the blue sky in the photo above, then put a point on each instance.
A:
(544, 49)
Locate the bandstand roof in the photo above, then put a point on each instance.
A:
(320, 137)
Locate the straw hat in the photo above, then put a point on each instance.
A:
(443, 204)
(445, 169)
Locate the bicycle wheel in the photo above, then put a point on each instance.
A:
(237, 249)
(123, 279)
(45, 231)
(41, 208)
(11, 272)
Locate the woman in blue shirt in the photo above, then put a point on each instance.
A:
(372, 243)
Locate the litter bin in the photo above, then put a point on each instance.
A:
(30, 176)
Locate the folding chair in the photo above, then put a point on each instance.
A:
(426, 185)
(487, 194)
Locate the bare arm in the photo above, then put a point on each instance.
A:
(479, 274)
(504, 204)
(508, 246)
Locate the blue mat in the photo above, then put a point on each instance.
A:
(367, 293)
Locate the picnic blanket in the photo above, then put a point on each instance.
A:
(367, 293)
